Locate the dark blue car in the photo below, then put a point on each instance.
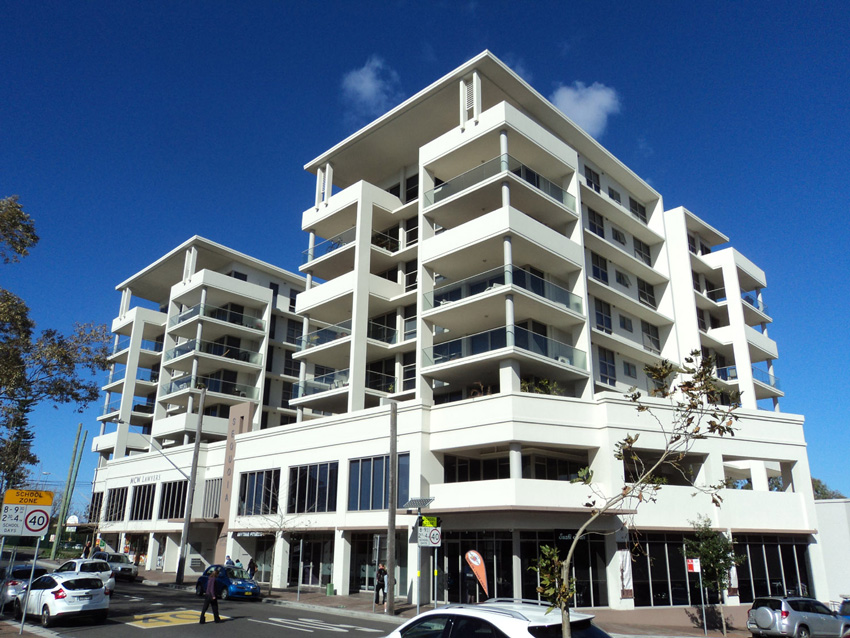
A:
(232, 582)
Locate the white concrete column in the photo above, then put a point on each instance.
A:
(320, 185)
(190, 263)
(515, 459)
(758, 472)
(311, 245)
(280, 562)
(152, 553)
(516, 563)
(476, 96)
(329, 182)
(342, 562)
(126, 297)
(504, 166)
(462, 103)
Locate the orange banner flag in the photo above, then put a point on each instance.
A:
(474, 560)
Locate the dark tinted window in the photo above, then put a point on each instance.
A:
(844, 610)
(97, 566)
(83, 583)
(468, 627)
(45, 582)
(773, 603)
(580, 629)
(430, 627)
(24, 572)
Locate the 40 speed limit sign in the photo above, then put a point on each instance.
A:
(25, 513)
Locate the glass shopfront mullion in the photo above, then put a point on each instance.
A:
(658, 571)
(679, 593)
(774, 569)
(773, 565)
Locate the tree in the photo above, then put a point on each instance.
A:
(823, 491)
(716, 555)
(50, 367)
(695, 414)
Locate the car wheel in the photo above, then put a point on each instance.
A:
(46, 618)
(803, 632)
(19, 612)
(224, 595)
(199, 591)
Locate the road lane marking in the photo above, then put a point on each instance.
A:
(168, 619)
(309, 625)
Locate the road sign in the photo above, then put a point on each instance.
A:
(693, 565)
(25, 512)
(430, 537)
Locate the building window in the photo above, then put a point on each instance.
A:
(703, 249)
(701, 320)
(597, 223)
(547, 468)
(622, 278)
(294, 328)
(292, 295)
(626, 323)
(692, 244)
(600, 267)
(630, 370)
(614, 195)
(651, 340)
(458, 469)
(395, 189)
(411, 188)
(695, 279)
(312, 488)
(275, 288)
(290, 366)
(141, 505)
(95, 507)
(269, 358)
(285, 393)
(212, 498)
(592, 178)
(368, 482)
(646, 293)
(116, 502)
(258, 493)
(603, 315)
(410, 322)
(619, 236)
(172, 502)
(637, 209)
(642, 252)
(607, 367)
(241, 276)
(272, 326)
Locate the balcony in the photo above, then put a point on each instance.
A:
(382, 333)
(491, 168)
(762, 376)
(324, 335)
(380, 382)
(214, 349)
(146, 345)
(322, 383)
(213, 385)
(221, 314)
(327, 246)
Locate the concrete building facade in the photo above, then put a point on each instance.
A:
(478, 259)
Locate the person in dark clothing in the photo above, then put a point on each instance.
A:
(87, 549)
(380, 584)
(210, 598)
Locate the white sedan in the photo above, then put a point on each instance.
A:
(61, 595)
(90, 567)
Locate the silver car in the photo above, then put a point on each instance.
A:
(796, 617)
(121, 564)
(15, 580)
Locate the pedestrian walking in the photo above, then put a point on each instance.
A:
(252, 568)
(381, 584)
(228, 562)
(210, 599)
(238, 563)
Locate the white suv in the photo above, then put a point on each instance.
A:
(99, 568)
(497, 618)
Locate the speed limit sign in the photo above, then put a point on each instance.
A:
(36, 521)
(25, 512)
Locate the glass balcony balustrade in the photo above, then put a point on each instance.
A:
(753, 300)
(144, 374)
(327, 246)
(490, 168)
(492, 278)
(218, 386)
(116, 375)
(322, 383)
(490, 340)
(324, 335)
(112, 406)
(729, 373)
(717, 295)
(380, 382)
(147, 344)
(385, 241)
(213, 348)
(765, 377)
(380, 332)
(222, 314)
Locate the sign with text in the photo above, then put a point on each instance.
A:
(25, 512)
(693, 565)
(430, 537)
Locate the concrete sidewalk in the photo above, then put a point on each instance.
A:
(657, 621)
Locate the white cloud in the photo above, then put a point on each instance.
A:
(587, 106)
(371, 90)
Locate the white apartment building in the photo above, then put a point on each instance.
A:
(480, 260)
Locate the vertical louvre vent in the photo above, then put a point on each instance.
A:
(470, 94)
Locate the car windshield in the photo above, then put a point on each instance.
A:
(236, 572)
(119, 558)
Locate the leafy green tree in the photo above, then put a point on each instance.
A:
(823, 491)
(716, 554)
(695, 414)
(36, 368)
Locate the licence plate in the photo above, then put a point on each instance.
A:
(83, 597)
(247, 593)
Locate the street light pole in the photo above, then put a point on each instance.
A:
(190, 490)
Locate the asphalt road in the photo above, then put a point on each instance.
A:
(142, 611)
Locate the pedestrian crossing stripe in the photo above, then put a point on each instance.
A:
(169, 619)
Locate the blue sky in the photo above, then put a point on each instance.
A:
(127, 127)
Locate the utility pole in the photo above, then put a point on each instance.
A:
(66, 497)
(391, 508)
(190, 490)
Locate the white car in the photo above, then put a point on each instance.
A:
(99, 568)
(497, 618)
(62, 595)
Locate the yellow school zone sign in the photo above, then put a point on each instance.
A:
(169, 619)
